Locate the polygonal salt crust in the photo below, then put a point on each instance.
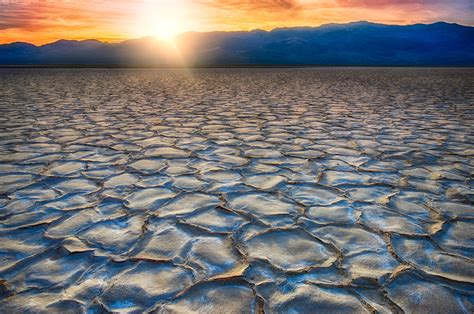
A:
(430, 186)
(422, 253)
(313, 195)
(306, 298)
(215, 220)
(418, 173)
(83, 186)
(35, 192)
(374, 264)
(335, 178)
(262, 153)
(365, 253)
(65, 169)
(121, 180)
(377, 299)
(249, 230)
(29, 219)
(71, 225)
(101, 173)
(390, 179)
(411, 206)
(261, 204)
(17, 156)
(148, 199)
(221, 176)
(458, 237)
(452, 209)
(335, 164)
(116, 236)
(350, 239)
(140, 288)
(19, 206)
(187, 203)
(354, 161)
(380, 218)
(308, 153)
(188, 183)
(27, 169)
(214, 257)
(228, 187)
(42, 302)
(266, 181)
(233, 297)
(126, 148)
(166, 152)
(39, 147)
(291, 250)
(261, 168)
(177, 170)
(21, 244)
(53, 269)
(163, 242)
(382, 165)
(10, 182)
(152, 181)
(94, 282)
(343, 151)
(148, 166)
(415, 295)
(260, 272)
(156, 140)
(71, 202)
(341, 212)
(373, 194)
(234, 161)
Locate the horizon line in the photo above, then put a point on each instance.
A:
(224, 66)
(234, 31)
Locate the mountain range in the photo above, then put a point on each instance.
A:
(351, 44)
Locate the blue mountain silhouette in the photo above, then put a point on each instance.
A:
(357, 43)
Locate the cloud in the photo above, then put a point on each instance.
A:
(423, 4)
(40, 14)
(383, 3)
(15, 15)
(43, 21)
(251, 5)
(414, 11)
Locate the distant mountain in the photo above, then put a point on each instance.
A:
(357, 43)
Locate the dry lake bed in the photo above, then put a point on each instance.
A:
(314, 190)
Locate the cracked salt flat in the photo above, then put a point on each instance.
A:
(236, 190)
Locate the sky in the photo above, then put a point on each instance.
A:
(45, 21)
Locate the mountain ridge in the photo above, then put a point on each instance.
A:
(250, 31)
(356, 43)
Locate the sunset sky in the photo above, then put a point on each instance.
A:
(44, 21)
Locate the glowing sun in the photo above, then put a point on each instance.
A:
(162, 19)
(165, 29)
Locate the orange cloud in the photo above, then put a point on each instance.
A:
(45, 20)
(254, 5)
(382, 3)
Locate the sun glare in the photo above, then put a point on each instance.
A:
(165, 29)
(162, 19)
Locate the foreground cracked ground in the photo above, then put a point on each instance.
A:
(237, 190)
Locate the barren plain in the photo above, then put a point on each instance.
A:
(237, 190)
